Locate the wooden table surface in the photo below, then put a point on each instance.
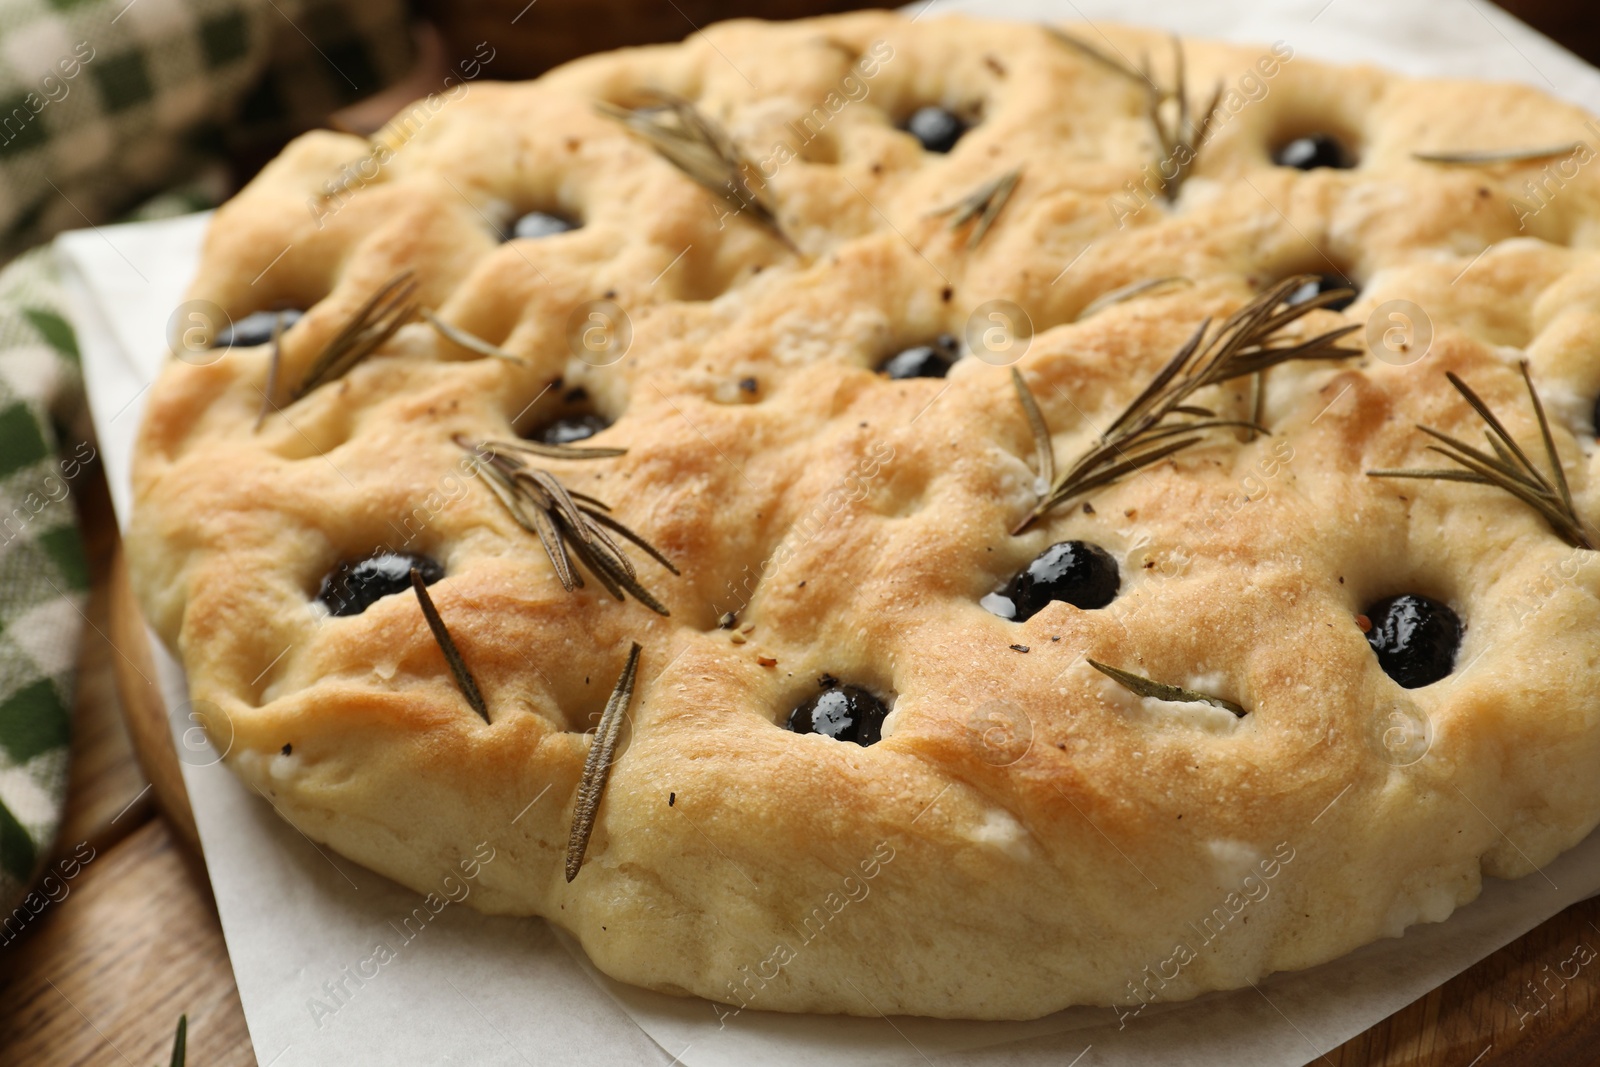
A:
(102, 974)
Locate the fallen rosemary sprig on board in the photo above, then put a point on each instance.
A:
(1509, 468)
(690, 141)
(1179, 139)
(565, 520)
(984, 204)
(1487, 156)
(597, 765)
(452, 655)
(390, 308)
(1148, 431)
(180, 1042)
(1144, 687)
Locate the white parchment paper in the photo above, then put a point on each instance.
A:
(335, 967)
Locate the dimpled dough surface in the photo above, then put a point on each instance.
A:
(1027, 835)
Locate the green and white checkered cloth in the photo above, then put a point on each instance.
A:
(106, 102)
(103, 102)
(43, 576)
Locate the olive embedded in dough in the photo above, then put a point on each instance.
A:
(844, 713)
(1076, 572)
(1314, 151)
(353, 587)
(1415, 638)
(937, 128)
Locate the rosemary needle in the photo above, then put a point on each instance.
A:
(1128, 292)
(1177, 694)
(1041, 434)
(1503, 155)
(1110, 62)
(452, 655)
(273, 362)
(597, 766)
(471, 342)
(984, 204)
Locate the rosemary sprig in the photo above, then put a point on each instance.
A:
(700, 148)
(1509, 468)
(597, 765)
(452, 655)
(565, 520)
(1178, 137)
(1128, 292)
(1144, 687)
(1181, 139)
(180, 1042)
(273, 362)
(390, 308)
(1484, 157)
(472, 343)
(984, 204)
(1146, 432)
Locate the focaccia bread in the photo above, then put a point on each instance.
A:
(1021, 832)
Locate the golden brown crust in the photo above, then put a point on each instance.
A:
(862, 519)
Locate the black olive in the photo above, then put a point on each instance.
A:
(352, 588)
(1313, 151)
(1082, 574)
(1415, 638)
(936, 128)
(570, 429)
(254, 329)
(844, 713)
(537, 224)
(1325, 283)
(924, 361)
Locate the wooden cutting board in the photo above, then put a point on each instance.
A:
(143, 705)
(1533, 1002)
